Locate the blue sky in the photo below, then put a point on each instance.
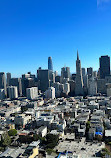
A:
(32, 30)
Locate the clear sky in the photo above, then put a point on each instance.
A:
(32, 30)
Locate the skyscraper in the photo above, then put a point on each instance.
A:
(16, 82)
(50, 66)
(65, 72)
(13, 92)
(83, 72)
(8, 78)
(89, 72)
(2, 94)
(92, 86)
(3, 82)
(27, 83)
(45, 79)
(104, 62)
(85, 83)
(79, 79)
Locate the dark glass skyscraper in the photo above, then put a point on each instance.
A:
(8, 78)
(50, 66)
(16, 82)
(45, 79)
(89, 72)
(83, 72)
(3, 82)
(104, 62)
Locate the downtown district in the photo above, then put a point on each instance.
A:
(67, 116)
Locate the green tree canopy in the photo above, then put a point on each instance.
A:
(12, 132)
(52, 140)
(6, 140)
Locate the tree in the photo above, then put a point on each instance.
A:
(50, 151)
(38, 137)
(87, 126)
(109, 143)
(51, 140)
(6, 140)
(104, 152)
(35, 137)
(12, 132)
(23, 109)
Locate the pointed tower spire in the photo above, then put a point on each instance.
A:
(77, 55)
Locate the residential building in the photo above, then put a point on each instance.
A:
(32, 93)
(50, 93)
(92, 86)
(12, 92)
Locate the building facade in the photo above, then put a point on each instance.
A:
(12, 92)
(3, 82)
(50, 93)
(79, 79)
(50, 65)
(32, 93)
(104, 62)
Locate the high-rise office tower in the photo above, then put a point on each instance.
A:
(92, 86)
(8, 78)
(72, 87)
(79, 79)
(95, 74)
(104, 62)
(45, 79)
(73, 77)
(83, 72)
(56, 73)
(85, 82)
(27, 83)
(65, 72)
(101, 86)
(66, 88)
(3, 82)
(16, 82)
(90, 72)
(28, 75)
(13, 92)
(2, 94)
(57, 79)
(50, 65)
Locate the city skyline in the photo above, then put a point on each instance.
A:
(30, 32)
(59, 72)
(55, 78)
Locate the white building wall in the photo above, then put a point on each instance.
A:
(92, 87)
(50, 93)
(66, 88)
(32, 93)
(44, 132)
(13, 92)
